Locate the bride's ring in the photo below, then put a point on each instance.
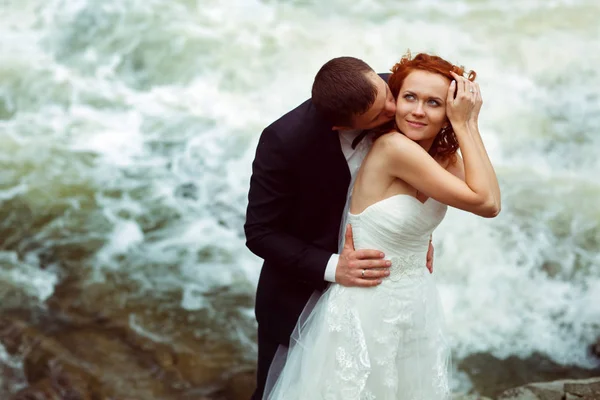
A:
(362, 274)
(472, 91)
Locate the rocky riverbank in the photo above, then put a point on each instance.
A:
(102, 359)
(587, 389)
(98, 342)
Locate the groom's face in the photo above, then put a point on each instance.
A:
(381, 111)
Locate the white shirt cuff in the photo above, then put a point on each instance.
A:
(331, 268)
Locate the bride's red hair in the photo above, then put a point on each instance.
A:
(445, 144)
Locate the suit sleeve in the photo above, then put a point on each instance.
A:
(270, 202)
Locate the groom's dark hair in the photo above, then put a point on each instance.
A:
(342, 90)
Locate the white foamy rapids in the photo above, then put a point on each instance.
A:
(22, 281)
(138, 120)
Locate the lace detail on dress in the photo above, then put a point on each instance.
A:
(385, 349)
(410, 265)
(352, 363)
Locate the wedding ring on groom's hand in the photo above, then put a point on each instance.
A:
(362, 274)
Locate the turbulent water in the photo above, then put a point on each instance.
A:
(127, 131)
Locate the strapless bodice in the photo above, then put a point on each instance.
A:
(400, 226)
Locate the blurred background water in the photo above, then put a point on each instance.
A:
(127, 132)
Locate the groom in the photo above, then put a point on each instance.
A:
(299, 194)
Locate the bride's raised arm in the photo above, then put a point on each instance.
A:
(479, 192)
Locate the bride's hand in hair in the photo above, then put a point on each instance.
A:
(477, 97)
(462, 108)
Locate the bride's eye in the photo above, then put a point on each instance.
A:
(434, 103)
(409, 97)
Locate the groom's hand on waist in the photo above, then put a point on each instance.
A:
(360, 267)
(429, 261)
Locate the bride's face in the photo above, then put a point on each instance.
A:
(421, 105)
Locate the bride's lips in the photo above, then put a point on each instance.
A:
(416, 124)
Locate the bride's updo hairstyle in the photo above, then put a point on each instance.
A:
(445, 144)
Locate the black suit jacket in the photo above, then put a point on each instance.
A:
(297, 195)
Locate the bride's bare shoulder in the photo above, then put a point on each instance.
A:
(390, 138)
(393, 142)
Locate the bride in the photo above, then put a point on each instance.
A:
(388, 341)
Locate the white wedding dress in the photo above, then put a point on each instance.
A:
(381, 343)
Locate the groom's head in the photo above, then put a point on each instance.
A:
(350, 95)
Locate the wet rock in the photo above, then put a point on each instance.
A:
(42, 390)
(240, 385)
(595, 348)
(49, 367)
(60, 389)
(587, 389)
(105, 341)
(531, 393)
(571, 397)
(90, 363)
(492, 376)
